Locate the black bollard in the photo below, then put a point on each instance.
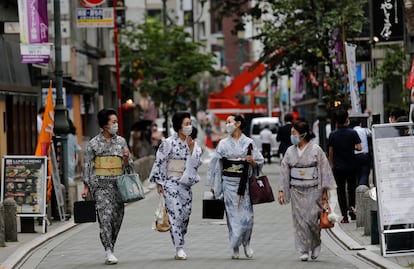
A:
(10, 220)
(2, 234)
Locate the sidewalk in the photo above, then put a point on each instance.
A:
(348, 234)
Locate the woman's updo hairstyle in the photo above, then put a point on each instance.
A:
(103, 116)
(178, 118)
(240, 118)
(303, 128)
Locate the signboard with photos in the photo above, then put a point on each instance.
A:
(23, 179)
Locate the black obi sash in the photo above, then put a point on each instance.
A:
(232, 168)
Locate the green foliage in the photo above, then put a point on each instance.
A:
(391, 67)
(165, 60)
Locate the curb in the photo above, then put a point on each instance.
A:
(25, 249)
(362, 252)
(22, 252)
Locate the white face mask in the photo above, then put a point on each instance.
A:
(230, 127)
(113, 129)
(187, 130)
(294, 139)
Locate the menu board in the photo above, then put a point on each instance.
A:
(394, 172)
(24, 180)
(395, 179)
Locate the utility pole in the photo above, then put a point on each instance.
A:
(118, 75)
(61, 127)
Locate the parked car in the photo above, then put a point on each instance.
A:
(258, 124)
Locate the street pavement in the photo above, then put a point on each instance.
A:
(67, 245)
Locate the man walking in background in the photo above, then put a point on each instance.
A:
(283, 135)
(266, 139)
(342, 143)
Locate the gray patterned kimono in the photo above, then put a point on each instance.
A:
(239, 218)
(177, 190)
(304, 193)
(109, 205)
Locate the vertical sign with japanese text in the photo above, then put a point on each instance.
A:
(388, 21)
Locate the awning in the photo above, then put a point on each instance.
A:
(18, 90)
(73, 86)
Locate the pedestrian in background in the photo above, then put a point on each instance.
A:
(267, 140)
(362, 157)
(305, 178)
(106, 156)
(39, 118)
(342, 144)
(224, 176)
(175, 172)
(73, 151)
(283, 135)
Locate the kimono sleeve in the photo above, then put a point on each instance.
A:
(190, 175)
(158, 173)
(88, 164)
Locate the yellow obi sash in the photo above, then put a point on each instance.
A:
(108, 166)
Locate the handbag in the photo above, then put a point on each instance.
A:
(212, 208)
(84, 211)
(260, 189)
(130, 186)
(324, 222)
(161, 223)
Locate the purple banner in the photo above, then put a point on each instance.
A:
(37, 21)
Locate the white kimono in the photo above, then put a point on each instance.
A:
(177, 188)
(239, 217)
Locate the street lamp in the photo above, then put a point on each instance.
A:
(61, 127)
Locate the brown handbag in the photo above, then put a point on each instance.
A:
(324, 223)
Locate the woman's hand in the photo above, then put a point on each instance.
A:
(280, 198)
(159, 189)
(325, 195)
(190, 143)
(126, 157)
(85, 191)
(249, 159)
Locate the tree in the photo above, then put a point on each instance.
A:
(165, 62)
(302, 32)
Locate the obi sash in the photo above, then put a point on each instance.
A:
(175, 168)
(233, 168)
(304, 173)
(108, 166)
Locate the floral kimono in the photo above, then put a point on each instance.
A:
(239, 210)
(302, 180)
(104, 190)
(177, 182)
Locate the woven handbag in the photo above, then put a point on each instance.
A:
(324, 223)
(130, 186)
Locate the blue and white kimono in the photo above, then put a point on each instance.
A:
(177, 189)
(239, 216)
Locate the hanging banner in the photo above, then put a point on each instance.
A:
(33, 21)
(350, 50)
(34, 33)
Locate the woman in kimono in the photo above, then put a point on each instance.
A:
(224, 176)
(305, 178)
(105, 157)
(175, 171)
